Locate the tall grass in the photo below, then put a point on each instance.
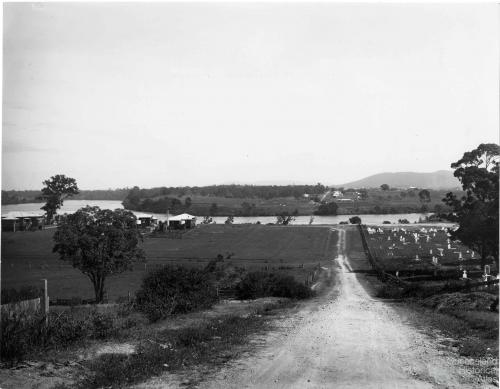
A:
(174, 349)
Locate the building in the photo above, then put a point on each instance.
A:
(181, 222)
(22, 221)
(144, 220)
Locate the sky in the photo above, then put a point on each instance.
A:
(173, 94)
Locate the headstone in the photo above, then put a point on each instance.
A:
(440, 252)
(487, 270)
(464, 275)
(460, 258)
(430, 251)
(417, 258)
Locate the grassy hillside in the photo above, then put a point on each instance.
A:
(441, 179)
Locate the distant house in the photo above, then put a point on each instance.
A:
(22, 221)
(181, 222)
(145, 220)
(337, 193)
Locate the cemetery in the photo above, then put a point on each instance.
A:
(420, 253)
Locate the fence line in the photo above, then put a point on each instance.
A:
(29, 307)
(381, 273)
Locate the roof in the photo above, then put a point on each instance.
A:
(182, 216)
(17, 214)
(144, 216)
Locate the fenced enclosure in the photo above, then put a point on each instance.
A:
(415, 265)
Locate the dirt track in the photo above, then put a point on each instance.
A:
(347, 340)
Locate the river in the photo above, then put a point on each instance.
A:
(71, 206)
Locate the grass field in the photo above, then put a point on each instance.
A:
(27, 256)
(413, 248)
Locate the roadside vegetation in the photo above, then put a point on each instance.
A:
(457, 289)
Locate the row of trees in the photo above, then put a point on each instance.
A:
(234, 191)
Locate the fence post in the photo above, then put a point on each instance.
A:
(45, 302)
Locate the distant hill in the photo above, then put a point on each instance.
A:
(441, 179)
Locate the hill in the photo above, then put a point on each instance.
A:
(441, 179)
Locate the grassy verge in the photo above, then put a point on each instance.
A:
(208, 343)
(469, 326)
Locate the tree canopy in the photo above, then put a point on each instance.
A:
(477, 211)
(327, 209)
(99, 243)
(56, 189)
(424, 196)
(355, 220)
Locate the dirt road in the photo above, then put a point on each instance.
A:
(347, 340)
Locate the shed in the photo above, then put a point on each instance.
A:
(18, 220)
(182, 221)
(145, 220)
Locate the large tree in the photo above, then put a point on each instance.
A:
(424, 196)
(477, 211)
(99, 243)
(57, 188)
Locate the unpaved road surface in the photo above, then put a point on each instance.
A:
(348, 340)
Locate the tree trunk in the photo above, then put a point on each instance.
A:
(98, 282)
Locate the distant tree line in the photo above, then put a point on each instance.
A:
(136, 202)
(236, 191)
(34, 196)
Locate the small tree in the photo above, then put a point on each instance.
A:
(99, 243)
(284, 219)
(355, 220)
(327, 209)
(424, 196)
(57, 189)
(384, 187)
(229, 220)
(207, 220)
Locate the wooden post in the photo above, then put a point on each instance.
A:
(45, 302)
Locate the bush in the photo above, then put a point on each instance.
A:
(355, 220)
(260, 284)
(173, 290)
(23, 333)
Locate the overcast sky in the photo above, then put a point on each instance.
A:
(118, 95)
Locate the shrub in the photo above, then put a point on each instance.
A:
(355, 220)
(172, 290)
(260, 284)
(14, 343)
(103, 325)
(23, 333)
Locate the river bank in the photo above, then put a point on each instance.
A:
(71, 206)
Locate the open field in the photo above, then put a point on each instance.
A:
(27, 256)
(413, 248)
